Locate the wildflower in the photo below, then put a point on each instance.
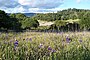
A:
(40, 46)
(61, 33)
(80, 40)
(30, 39)
(16, 43)
(49, 48)
(53, 51)
(68, 39)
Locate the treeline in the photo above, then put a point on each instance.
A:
(63, 15)
(16, 22)
(67, 19)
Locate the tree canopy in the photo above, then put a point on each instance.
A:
(62, 15)
(85, 21)
(16, 21)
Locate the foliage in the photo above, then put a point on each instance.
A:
(29, 22)
(16, 21)
(4, 19)
(7, 22)
(62, 15)
(60, 23)
(85, 21)
(61, 18)
(26, 22)
(20, 16)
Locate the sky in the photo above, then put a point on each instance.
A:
(41, 6)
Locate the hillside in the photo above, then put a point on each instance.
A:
(63, 15)
(27, 14)
(69, 17)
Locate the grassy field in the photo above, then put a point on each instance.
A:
(46, 23)
(45, 46)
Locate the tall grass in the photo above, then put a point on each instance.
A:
(45, 46)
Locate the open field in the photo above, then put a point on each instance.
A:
(44, 30)
(45, 23)
(45, 46)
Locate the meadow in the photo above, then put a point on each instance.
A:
(45, 46)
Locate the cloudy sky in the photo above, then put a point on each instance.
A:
(41, 6)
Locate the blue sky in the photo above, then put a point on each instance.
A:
(41, 6)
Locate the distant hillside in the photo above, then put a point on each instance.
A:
(63, 15)
(27, 14)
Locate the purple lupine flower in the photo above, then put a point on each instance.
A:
(53, 51)
(49, 48)
(67, 39)
(16, 43)
(61, 33)
(30, 39)
(80, 40)
(40, 46)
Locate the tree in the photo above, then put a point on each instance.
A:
(12, 15)
(60, 23)
(20, 15)
(26, 22)
(4, 20)
(85, 21)
(15, 24)
(29, 22)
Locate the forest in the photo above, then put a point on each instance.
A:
(68, 19)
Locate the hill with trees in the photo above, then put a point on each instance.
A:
(69, 16)
(68, 19)
(63, 15)
(16, 21)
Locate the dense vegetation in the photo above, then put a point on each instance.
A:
(68, 17)
(26, 22)
(16, 21)
(63, 15)
(45, 46)
(65, 20)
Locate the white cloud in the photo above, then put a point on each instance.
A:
(41, 3)
(14, 10)
(37, 10)
(35, 6)
(24, 2)
(9, 3)
(78, 1)
(21, 9)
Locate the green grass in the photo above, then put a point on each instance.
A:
(45, 46)
(72, 21)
